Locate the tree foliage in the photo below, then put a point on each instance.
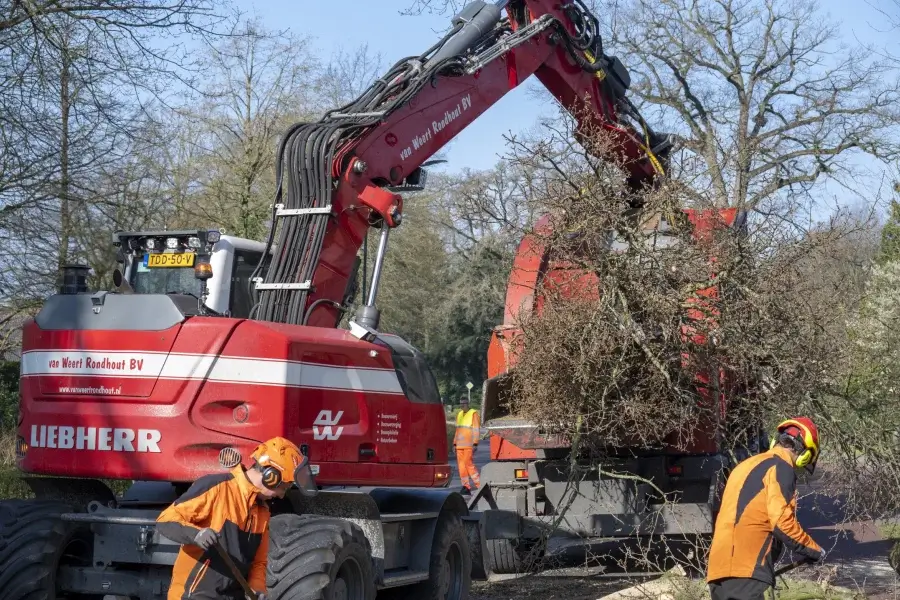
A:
(77, 85)
(471, 306)
(623, 349)
(257, 82)
(890, 236)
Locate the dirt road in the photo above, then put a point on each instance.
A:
(856, 553)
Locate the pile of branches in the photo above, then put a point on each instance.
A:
(606, 351)
(628, 349)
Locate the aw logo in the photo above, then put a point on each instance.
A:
(322, 426)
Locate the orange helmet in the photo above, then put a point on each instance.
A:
(805, 431)
(281, 462)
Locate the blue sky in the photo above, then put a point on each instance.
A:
(379, 24)
(349, 23)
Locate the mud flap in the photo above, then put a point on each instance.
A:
(474, 524)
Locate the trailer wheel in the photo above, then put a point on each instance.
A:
(450, 567)
(34, 542)
(508, 556)
(318, 558)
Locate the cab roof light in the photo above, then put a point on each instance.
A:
(203, 270)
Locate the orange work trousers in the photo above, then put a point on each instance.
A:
(466, 465)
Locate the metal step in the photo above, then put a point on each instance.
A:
(281, 211)
(258, 283)
(416, 516)
(403, 577)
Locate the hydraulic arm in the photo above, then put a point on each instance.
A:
(335, 176)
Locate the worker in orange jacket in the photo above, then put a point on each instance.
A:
(468, 431)
(230, 509)
(757, 517)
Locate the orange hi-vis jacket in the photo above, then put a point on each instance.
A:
(757, 518)
(231, 505)
(468, 429)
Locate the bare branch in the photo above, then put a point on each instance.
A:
(752, 86)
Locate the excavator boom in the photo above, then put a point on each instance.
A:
(334, 175)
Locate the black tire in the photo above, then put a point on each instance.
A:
(318, 558)
(503, 557)
(34, 541)
(450, 566)
(510, 557)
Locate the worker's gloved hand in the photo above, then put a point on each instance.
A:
(260, 596)
(206, 538)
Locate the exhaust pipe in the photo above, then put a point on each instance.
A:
(122, 285)
(74, 279)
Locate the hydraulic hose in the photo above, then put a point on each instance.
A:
(304, 181)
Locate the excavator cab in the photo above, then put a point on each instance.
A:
(203, 263)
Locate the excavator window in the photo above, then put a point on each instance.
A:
(412, 370)
(171, 280)
(245, 262)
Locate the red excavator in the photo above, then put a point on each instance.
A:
(210, 344)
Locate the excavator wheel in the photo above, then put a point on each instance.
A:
(34, 542)
(318, 558)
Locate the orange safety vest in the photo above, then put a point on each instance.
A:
(467, 429)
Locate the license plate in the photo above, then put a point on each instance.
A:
(171, 260)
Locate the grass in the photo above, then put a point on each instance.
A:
(797, 589)
(673, 585)
(802, 589)
(890, 531)
(7, 449)
(12, 486)
(11, 483)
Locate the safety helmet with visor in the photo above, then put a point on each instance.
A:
(804, 434)
(282, 464)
